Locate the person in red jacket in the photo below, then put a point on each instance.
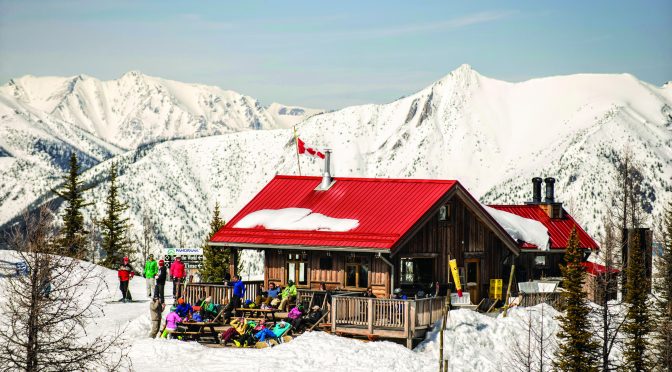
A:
(177, 273)
(125, 273)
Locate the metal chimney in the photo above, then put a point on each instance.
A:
(536, 190)
(550, 190)
(327, 181)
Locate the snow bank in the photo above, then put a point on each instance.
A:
(295, 219)
(521, 228)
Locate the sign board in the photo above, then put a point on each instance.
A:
(183, 251)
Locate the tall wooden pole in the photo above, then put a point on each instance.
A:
(508, 290)
(296, 144)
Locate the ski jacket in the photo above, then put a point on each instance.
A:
(295, 313)
(125, 272)
(155, 309)
(151, 268)
(239, 289)
(171, 320)
(289, 291)
(161, 279)
(240, 327)
(273, 293)
(177, 269)
(184, 309)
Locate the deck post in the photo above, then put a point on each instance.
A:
(334, 305)
(407, 323)
(369, 319)
(411, 321)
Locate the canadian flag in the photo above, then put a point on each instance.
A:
(303, 149)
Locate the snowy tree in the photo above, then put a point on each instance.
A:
(215, 259)
(534, 351)
(662, 349)
(638, 324)
(48, 302)
(577, 350)
(114, 227)
(73, 231)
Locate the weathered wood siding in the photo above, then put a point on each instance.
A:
(334, 278)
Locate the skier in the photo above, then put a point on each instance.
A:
(155, 309)
(161, 281)
(151, 268)
(125, 273)
(177, 274)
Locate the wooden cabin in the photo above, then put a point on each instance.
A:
(352, 233)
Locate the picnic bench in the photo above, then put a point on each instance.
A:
(256, 313)
(196, 331)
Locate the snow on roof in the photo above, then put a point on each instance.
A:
(295, 219)
(521, 228)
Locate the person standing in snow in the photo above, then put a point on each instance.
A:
(161, 281)
(155, 310)
(151, 268)
(125, 274)
(171, 324)
(177, 273)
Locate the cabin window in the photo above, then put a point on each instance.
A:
(297, 265)
(356, 272)
(445, 213)
(472, 272)
(416, 270)
(540, 261)
(326, 263)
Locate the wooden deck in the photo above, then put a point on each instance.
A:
(385, 318)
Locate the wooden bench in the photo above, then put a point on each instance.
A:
(255, 313)
(196, 330)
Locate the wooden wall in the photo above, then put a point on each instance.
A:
(462, 236)
(276, 263)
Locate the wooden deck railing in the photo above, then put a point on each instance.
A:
(387, 317)
(220, 293)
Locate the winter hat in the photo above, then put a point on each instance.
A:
(208, 299)
(125, 259)
(316, 308)
(397, 290)
(180, 300)
(160, 262)
(290, 282)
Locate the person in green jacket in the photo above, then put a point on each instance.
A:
(151, 269)
(288, 294)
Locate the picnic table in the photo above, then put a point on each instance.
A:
(196, 330)
(268, 314)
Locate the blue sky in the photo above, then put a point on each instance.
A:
(334, 54)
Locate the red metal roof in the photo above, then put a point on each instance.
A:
(385, 208)
(597, 269)
(558, 228)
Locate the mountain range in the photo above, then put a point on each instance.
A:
(182, 147)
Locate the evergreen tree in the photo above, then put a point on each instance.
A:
(637, 318)
(663, 290)
(577, 350)
(73, 234)
(215, 259)
(114, 227)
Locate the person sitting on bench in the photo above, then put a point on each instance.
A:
(308, 320)
(171, 324)
(288, 295)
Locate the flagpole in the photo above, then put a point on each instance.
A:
(296, 143)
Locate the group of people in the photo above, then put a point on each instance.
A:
(155, 274)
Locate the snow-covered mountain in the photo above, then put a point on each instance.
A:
(44, 119)
(491, 135)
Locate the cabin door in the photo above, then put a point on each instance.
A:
(472, 270)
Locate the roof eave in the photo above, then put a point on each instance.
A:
(299, 247)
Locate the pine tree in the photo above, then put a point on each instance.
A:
(577, 350)
(73, 233)
(663, 289)
(114, 227)
(215, 259)
(637, 318)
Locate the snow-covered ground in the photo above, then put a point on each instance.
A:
(473, 342)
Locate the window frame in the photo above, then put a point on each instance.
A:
(297, 259)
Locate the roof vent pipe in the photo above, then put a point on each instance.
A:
(550, 190)
(536, 190)
(327, 181)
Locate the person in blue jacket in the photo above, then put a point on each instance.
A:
(238, 292)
